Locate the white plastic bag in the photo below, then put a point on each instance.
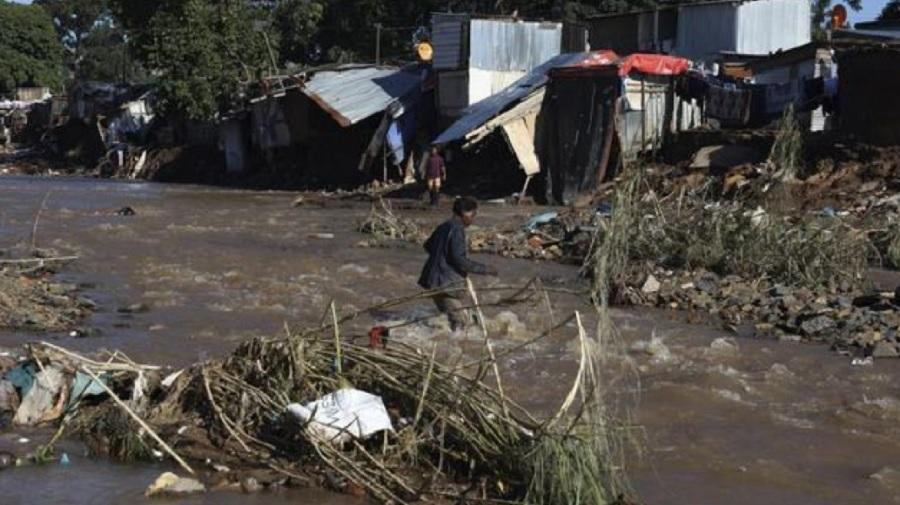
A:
(343, 414)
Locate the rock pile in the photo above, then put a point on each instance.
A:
(848, 319)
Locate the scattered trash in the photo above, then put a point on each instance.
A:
(44, 401)
(651, 285)
(171, 484)
(84, 386)
(322, 236)
(126, 211)
(7, 460)
(867, 361)
(171, 378)
(605, 209)
(64, 459)
(378, 336)
(539, 220)
(343, 414)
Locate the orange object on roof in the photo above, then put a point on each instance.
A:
(607, 62)
(654, 64)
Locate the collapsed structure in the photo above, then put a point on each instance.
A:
(570, 117)
(333, 123)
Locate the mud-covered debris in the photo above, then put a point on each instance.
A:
(44, 400)
(169, 484)
(31, 301)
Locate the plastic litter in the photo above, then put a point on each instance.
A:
(605, 209)
(84, 386)
(868, 361)
(64, 460)
(346, 413)
(540, 219)
(22, 377)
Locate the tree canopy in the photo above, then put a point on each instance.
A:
(891, 11)
(30, 53)
(203, 53)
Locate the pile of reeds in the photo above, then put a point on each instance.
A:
(384, 224)
(455, 436)
(689, 232)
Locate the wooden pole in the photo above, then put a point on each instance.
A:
(643, 117)
(138, 420)
(378, 43)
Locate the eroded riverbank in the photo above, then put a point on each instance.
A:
(198, 270)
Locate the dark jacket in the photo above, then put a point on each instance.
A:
(447, 260)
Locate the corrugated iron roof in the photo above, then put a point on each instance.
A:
(352, 93)
(481, 112)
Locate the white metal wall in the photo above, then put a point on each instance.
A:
(749, 27)
(485, 83)
(766, 26)
(507, 45)
(705, 30)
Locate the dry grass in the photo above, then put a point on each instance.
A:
(456, 436)
(384, 224)
(690, 233)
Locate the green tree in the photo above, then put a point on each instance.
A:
(203, 53)
(74, 21)
(30, 53)
(891, 11)
(106, 57)
(296, 23)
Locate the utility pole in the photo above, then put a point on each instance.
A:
(378, 43)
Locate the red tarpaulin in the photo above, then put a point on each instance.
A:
(605, 62)
(654, 64)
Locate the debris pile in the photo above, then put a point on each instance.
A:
(30, 300)
(315, 409)
(385, 225)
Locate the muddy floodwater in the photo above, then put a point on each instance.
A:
(724, 419)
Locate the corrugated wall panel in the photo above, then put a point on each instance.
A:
(447, 32)
(765, 26)
(503, 45)
(453, 92)
(706, 30)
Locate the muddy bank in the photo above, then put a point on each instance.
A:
(31, 301)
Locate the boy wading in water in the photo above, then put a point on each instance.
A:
(435, 175)
(448, 264)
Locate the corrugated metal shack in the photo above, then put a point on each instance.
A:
(476, 58)
(329, 126)
(570, 125)
(701, 31)
(798, 77)
(869, 99)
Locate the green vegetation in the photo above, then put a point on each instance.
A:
(30, 54)
(690, 233)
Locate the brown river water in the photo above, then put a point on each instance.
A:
(734, 422)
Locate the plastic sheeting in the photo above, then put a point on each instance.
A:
(653, 64)
(343, 414)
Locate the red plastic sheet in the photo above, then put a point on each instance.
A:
(604, 62)
(654, 64)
